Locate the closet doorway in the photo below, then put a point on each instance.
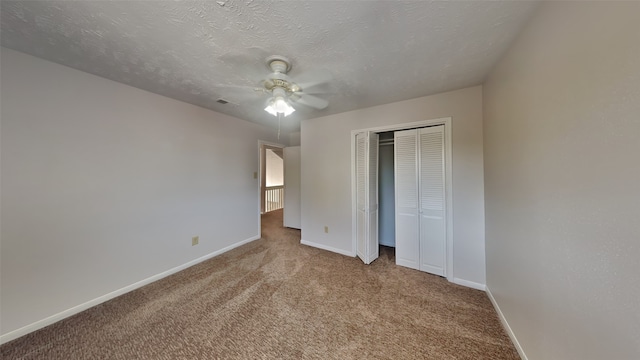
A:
(386, 190)
(401, 187)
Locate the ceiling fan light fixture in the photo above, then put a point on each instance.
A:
(278, 104)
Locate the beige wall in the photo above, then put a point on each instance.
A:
(103, 185)
(326, 173)
(562, 182)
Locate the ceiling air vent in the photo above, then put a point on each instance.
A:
(222, 101)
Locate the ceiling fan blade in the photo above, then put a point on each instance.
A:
(312, 101)
(310, 79)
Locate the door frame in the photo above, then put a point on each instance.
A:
(262, 175)
(448, 182)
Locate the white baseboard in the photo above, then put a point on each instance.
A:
(467, 283)
(328, 248)
(506, 326)
(99, 300)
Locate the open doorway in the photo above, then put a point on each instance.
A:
(273, 186)
(386, 190)
(271, 177)
(386, 195)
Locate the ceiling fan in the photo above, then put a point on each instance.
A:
(285, 94)
(284, 91)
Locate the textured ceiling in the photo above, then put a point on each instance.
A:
(376, 52)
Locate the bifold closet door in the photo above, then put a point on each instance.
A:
(367, 196)
(420, 199)
(432, 200)
(406, 182)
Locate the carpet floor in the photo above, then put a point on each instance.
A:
(276, 299)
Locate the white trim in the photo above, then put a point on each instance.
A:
(389, 244)
(12, 335)
(448, 133)
(447, 122)
(404, 126)
(506, 326)
(262, 142)
(328, 248)
(469, 284)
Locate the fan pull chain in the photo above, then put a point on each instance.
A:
(279, 119)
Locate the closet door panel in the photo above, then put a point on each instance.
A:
(432, 231)
(432, 200)
(367, 196)
(406, 184)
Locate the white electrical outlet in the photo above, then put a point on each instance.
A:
(195, 240)
(326, 229)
